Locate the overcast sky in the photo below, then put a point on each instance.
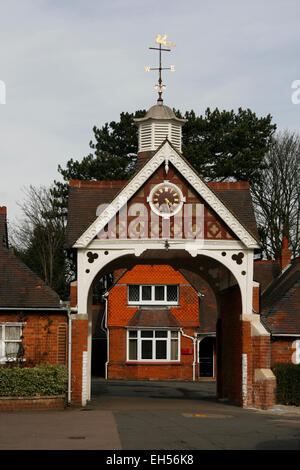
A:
(71, 64)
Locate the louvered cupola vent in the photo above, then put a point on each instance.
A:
(160, 122)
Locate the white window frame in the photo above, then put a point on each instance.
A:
(153, 340)
(152, 301)
(3, 325)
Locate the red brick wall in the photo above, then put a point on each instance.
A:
(119, 315)
(36, 403)
(282, 349)
(118, 368)
(44, 335)
(263, 391)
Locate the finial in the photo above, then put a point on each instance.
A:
(161, 40)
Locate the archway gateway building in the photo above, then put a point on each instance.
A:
(163, 234)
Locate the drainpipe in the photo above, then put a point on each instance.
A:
(105, 296)
(74, 310)
(194, 339)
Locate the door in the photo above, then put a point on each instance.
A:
(206, 357)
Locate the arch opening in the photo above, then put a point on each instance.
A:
(201, 273)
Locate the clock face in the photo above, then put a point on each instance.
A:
(166, 199)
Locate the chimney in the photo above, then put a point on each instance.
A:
(3, 227)
(285, 257)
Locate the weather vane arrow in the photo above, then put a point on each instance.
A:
(161, 40)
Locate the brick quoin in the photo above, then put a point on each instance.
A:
(79, 344)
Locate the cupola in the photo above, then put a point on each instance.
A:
(160, 122)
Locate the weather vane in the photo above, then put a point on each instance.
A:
(161, 40)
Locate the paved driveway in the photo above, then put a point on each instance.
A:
(187, 415)
(151, 415)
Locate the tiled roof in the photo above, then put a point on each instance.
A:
(154, 318)
(265, 271)
(84, 199)
(19, 286)
(281, 302)
(237, 197)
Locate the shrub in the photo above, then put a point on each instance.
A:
(34, 381)
(288, 383)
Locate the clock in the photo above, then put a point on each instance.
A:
(166, 199)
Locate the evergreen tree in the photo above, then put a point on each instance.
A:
(221, 145)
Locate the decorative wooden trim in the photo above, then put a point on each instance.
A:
(166, 152)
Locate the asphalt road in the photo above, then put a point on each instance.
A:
(151, 415)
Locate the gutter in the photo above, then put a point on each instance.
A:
(105, 329)
(286, 334)
(74, 310)
(194, 339)
(45, 309)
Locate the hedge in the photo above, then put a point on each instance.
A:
(41, 380)
(288, 383)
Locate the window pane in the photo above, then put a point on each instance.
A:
(161, 349)
(159, 292)
(147, 334)
(172, 293)
(174, 350)
(161, 334)
(174, 334)
(133, 334)
(146, 292)
(146, 349)
(134, 293)
(12, 332)
(11, 349)
(133, 349)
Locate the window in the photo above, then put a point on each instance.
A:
(10, 341)
(153, 345)
(150, 294)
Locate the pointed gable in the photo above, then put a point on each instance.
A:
(223, 217)
(281, 302)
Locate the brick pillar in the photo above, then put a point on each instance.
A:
(261, 380)
(79, 359)
(73, 294)
(229, 346)
(243, 373)
(264, 381)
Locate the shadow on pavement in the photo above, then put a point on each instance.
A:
(150, 389)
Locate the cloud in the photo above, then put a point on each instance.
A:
(69, 65)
